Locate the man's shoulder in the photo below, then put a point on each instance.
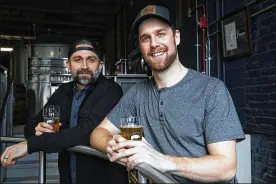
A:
(142, 86)
(68, 86)
(108, 83)
(203, 79)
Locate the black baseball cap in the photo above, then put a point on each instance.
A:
(83, 41)
(156, 11)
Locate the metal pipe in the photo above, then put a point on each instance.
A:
(214, 33)
(220, 76)
(96, 9)
(208, 50)
(42, 168)
(16, 37)
(203, 51)
(263, 10)
(215, 21)
(197, 39)
(202, 35)
(125, 37)
(88, 151)
(56, 22)
(145, 169)
(252, 2)
(141, 178)
(208, 55)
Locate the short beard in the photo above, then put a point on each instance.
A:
(171, 59)
(85, 81)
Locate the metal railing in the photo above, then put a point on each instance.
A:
(144, 169)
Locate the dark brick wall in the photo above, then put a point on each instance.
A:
(251, 82)
(263, 158)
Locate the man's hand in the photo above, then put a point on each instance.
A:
(136, 152)
(110, 152)
(12, 153)
(43, 127)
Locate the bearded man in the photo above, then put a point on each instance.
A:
(83, 103)
(189, 120)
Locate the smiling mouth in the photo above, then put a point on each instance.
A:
(157, 54)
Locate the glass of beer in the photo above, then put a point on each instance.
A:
(51, 115)
(131, 128)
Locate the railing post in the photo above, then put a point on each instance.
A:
(42, 168)
(141, 178)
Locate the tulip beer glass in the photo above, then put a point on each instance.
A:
(51, 115)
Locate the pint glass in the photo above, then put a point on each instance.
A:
(51, 115)
(132, 129)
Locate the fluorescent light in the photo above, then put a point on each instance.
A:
(6, 49)
(64, 58)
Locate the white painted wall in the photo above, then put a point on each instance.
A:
(244, 160)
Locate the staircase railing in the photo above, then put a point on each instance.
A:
(144, 169)
(5, 109)
(5, 101)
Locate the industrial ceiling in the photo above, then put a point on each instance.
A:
(67, 19)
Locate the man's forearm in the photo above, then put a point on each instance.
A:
(203, 169)
(99, 138)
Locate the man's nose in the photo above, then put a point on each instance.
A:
(154, 42)
(84, 64)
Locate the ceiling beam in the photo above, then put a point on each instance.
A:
(45, 31)
(54, 22)
(91, 9)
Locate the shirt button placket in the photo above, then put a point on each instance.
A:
(161, 106)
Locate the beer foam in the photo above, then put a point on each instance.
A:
(131, 126)
(50, 121)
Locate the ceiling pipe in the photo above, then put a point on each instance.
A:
(68, 23)
(95, 11)
(15, 37)
(203, 26)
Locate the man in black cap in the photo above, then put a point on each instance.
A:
(189, 120)
(83, 105)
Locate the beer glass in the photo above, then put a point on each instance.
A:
(51, 115)
(131, 128)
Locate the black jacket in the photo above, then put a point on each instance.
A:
(98, 102)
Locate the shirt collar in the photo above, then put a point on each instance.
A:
(76, 89)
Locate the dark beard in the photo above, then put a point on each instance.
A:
(85, 80)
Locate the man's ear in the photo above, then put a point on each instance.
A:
(177, 37)
(68, 65)
(101, 65)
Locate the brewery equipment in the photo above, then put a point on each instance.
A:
(46, 72)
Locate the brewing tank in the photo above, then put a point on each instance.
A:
(46, 72)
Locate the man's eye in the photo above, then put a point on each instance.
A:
(92, 60)
(161, 35)
(145, 39)
(77, 60)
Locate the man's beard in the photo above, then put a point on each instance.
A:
(170, 59)
(86, 80)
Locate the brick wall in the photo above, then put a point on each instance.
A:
(251, 82)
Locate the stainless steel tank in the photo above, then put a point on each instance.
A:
(46, 71)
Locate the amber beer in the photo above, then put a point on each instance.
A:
(132, 132)
(132, 129)
(55, 124)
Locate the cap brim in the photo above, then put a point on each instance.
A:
(137, 22)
